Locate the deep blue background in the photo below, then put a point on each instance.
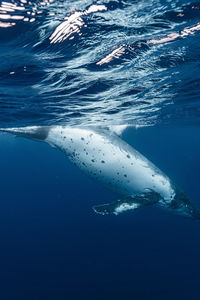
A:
(53, 246)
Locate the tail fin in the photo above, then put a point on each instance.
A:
(34, 132)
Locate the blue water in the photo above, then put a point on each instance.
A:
(97, 63)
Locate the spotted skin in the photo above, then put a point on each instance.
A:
(109, 160)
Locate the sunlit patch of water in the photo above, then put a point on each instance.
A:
(111, 62)
(22, 10)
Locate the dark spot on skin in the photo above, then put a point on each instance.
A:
(125, 175)
(93, 160)
(128, 156)
(131, 164)
(103, 162)
(83, 164)
(86, 153)
(82, 139)
(64, 137)
(117, 173)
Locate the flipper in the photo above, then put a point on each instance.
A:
(129, 203)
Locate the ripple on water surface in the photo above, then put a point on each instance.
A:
(107, 62)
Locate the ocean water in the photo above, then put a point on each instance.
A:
(97, 64)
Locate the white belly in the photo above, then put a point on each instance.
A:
(111, 161)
